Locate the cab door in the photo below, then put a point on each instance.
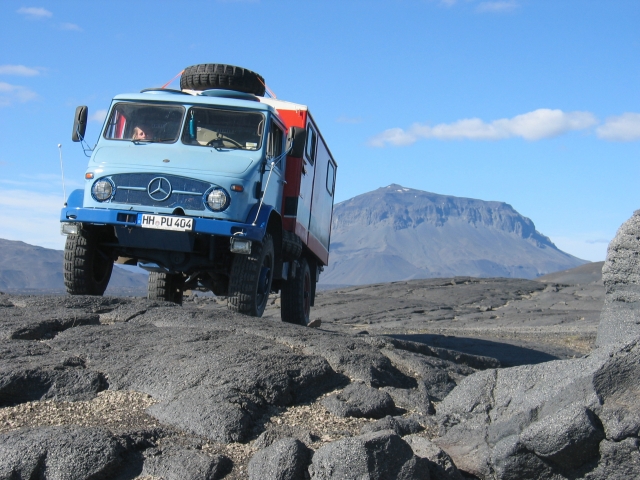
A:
(306, 182)
(275, 148)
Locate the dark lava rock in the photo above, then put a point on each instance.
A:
(186, 464)
(358, 400)
(441, 466)
(382, 455)
(285, 459)
(618, 461)
(400, 425)
(619, 321)
(59, 453)
(214, 373)
(277, 432)
(32, 371)
(561, 419)
(416, 399)
(569, 438)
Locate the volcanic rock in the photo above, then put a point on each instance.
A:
(399, 425)
(59, 453)
(551, 420)
(372, 455)
(358, 400)
(286, 459)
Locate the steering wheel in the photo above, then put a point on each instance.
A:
(222, 140)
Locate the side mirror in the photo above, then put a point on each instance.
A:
(79, 123)
(295, 141)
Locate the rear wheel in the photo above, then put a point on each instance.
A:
(87, 267)
(165, 286)
(250, 279)
(296, 295)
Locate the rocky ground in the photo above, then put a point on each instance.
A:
(441, 379)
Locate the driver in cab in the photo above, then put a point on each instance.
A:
(142, 133)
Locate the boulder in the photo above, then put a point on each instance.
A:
(400, 425)
(378, 455)
(59, 453)
(560, 419)
(277, 432)
(441, 466)
(185, 464)
(621, 276)
(285, 459)
(358, 400)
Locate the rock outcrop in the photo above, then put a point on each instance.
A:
(210, 394)
(561, 419)
(214, 378)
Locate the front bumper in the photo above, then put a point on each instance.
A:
(132, 219)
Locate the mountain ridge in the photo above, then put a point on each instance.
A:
(30, 268)
(396, 233)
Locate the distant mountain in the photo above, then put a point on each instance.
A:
(396, 233)
(27, 268)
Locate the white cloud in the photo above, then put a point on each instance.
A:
(497, 7)
(98, 116)
(20, 70)
(35, 12)
(10, 94)
(70, 26)
(536, 125)
(623, 128)
(31, 217)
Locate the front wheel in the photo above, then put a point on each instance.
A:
(250, 279)
(296, 296)
(165, 286)
(87, 267)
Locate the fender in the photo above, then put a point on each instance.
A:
(263, 218)
(75, 199)
(74, 202)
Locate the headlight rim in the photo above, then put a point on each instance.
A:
(205, 199)
(106, 180)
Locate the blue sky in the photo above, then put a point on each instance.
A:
(534, 103)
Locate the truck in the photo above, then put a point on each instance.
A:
(214, 187)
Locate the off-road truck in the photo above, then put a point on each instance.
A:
(213, 187)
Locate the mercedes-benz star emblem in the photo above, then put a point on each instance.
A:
(159, 189)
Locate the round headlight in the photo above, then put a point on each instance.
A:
(217, 199)
(102, 190)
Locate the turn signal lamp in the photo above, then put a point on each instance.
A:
(237, 188)
(88, 175)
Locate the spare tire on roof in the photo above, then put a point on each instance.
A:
(217, 75)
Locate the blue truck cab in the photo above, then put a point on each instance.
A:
(188, 184)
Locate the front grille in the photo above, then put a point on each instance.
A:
(133, 189)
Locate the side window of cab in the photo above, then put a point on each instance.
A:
(275, 142)
(312, 140)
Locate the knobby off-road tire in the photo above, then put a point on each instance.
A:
(165, 286)
(295, 300)
(291, 245)
(250, 279)
(87, 268)
(217, 75)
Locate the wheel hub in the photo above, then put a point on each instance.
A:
(263, 282)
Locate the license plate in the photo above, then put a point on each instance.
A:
(165, 222)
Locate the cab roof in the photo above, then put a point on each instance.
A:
(177, 97)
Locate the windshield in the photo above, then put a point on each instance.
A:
(223, 129)
(140, 122)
